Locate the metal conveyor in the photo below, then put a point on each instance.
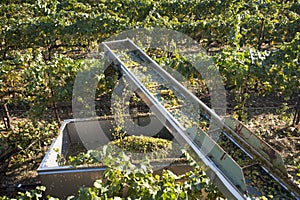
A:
(240, 163)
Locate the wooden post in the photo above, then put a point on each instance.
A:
(296, 119)
(6, 118)
(56, 113)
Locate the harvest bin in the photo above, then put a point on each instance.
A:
(63, 181)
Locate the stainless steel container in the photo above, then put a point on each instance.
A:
(63, 181)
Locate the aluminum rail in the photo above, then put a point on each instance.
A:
(222, 169)
(217, 176)
(267, 157)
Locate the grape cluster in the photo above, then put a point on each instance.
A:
(259, 182)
